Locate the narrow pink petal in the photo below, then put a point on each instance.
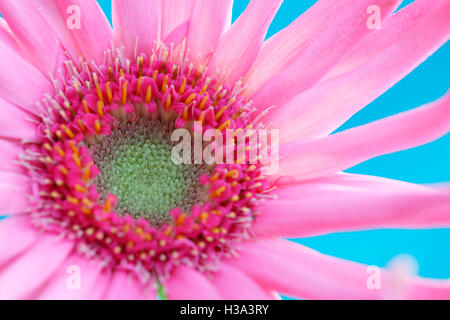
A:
(14, 191)
(20, 82)
(174, 13)
(16, 236)
(209, 20)
(317, 158)
(187, 284)
(135, 19)
(177, 35)
(286, 46)
(94, 280)
(239, 46)
(323, 108)
(297, 271)
(392, 30)
(330, 45)
(348, 202)
(21, 278)
(7, 37)
(57, 22)
(124, 286)
(15, 123)
(33, 33)
(232, 284)
(10, 156)
(95, 34)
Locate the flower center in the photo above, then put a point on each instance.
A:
(135, 163)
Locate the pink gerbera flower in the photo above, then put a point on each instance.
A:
(98, 209)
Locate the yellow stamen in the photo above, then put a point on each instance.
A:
(80, 188)
(72, 200)
(217, 192)
(180, 219)
(232, 174)
(204, 89)
(185, 113)
(215, 177)
(97, 126)
(148, 95)
(220, 113)
(109, 94)
(97, 87)
(67, 131)
(76, 158)
(165, 55)
(164, 85)
(234, 198)
(141, 66)
(85, 107)
(111, 76)
(74, 147)
(81, 125)
(60, 151)
(138, 87)
(202, 117)
(168, 102)
(87, 173)
(47, 147)
(63, 170)
(224, 125)
(203, 102)
(100, 106)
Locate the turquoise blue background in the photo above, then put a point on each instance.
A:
(425, 164)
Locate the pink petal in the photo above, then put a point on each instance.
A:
(135, 19)
(232, 284)
(326, 106)
(33, 33)
(95, 34)
(14, 191)
(20, 82)
(348, 202)
(124, 286)
(239, 46)
(321, 157)
(21, 278)
(94, 280)
(209, 20)
(392, 30)
(187, 284)
(282, 49)
(331, 45)
(298, 271)
(174, 13)
(15, 123)
(16, 236)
